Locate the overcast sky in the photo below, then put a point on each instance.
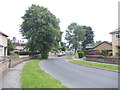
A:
(101, 15)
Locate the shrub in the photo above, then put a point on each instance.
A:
(24, 53)
(85, 52)
(105, 52)
(109, 53)
(94, 56)
(27, 53)
(118, 54)
(93, 53)
(81, 54)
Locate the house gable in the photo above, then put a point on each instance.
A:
(103, 45)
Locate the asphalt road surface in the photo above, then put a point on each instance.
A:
(78, 76)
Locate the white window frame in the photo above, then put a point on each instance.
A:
(117, 35)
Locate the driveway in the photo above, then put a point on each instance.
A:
(78, 76)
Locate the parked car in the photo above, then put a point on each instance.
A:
(60, 54)
(63, 52)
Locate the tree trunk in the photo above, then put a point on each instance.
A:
(44, 55)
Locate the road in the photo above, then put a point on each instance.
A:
(78, 76)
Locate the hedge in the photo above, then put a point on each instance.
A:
(104, 52)
(26, 53)
(81, 54)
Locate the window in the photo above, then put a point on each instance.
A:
(1, 50)
(118, 35)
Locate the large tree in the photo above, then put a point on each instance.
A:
(41, 28)
(89, 36)
(75, 35)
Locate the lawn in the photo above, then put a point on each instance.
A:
(70, 57)
(99, 65)
(32, 76)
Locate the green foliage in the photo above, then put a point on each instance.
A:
(89, 35)
(41, 28)
(95, 56)
(74, 35)
(32, 76)
(81, 54)
(118, 54)
(110, 53)
(105, 52)
(27, 53)
(92, 50)
(97, 42)
(10, 46)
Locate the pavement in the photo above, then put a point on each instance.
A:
(79, 76)
(11, 79)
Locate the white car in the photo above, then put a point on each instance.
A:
(63, 52)
(60, 54)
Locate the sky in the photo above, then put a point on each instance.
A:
(100, 15)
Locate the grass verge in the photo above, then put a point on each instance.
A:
(70, 57)
(99, 65)
(32, 76)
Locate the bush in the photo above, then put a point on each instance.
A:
(118, 54)
(27, 53)
(94, 56)
(105, 52)
(81, 54)
(85, 52)
(24, 53)
(110, 53)
(93, 53)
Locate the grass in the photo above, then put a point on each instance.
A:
(70, 57)
(32, 76)
(67, 51)
(99, 65)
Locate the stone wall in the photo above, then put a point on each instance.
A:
(103, 59)
(9, 62)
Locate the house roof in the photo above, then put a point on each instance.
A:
(102, 43)
(1, 45)
(117, 30)
(3, 34)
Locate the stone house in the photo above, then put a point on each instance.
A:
(3, 44)
(115, 41)
(103, 45)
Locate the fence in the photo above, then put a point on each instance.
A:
(8, 62)
(103, 59)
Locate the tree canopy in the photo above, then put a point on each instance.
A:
(89, 36)
(10, 46)
(41, 28)
(75, 35)
(79, 36)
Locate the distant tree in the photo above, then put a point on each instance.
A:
(89, 36)
(41, 28)
(63, 45)
(75, 35)
(10, 46)
(98, 42)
